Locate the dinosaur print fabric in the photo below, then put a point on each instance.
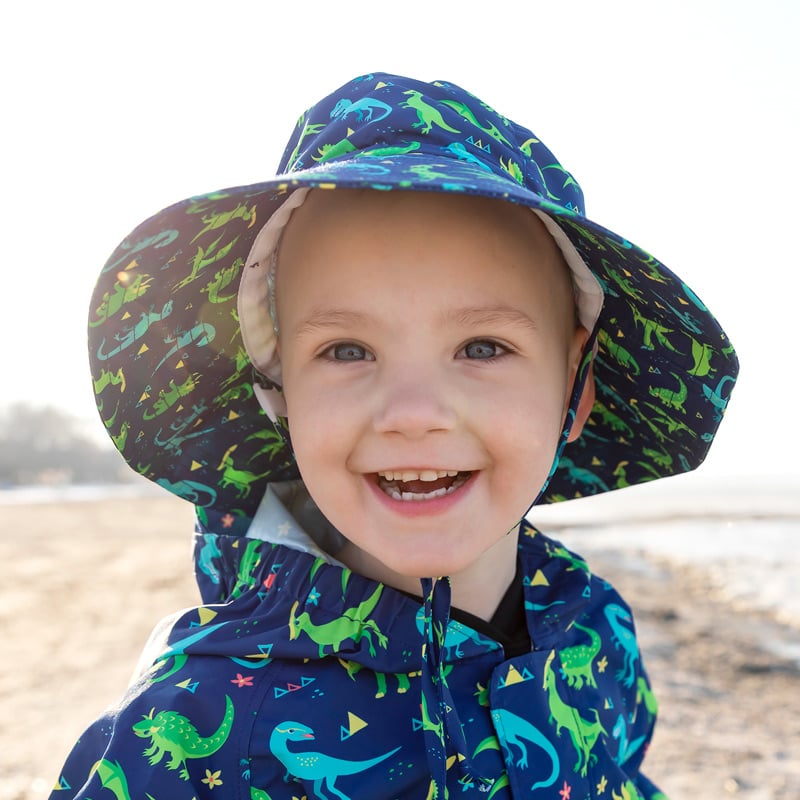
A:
(173, 382)
(300, 679)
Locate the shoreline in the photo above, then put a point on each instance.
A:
(728, 724)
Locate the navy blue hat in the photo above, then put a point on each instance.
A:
(174, 381)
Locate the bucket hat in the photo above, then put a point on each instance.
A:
(177, 389)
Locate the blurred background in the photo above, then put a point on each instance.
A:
(679, 120)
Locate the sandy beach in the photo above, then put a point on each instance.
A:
(89, 579)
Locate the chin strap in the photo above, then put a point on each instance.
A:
(445, 745)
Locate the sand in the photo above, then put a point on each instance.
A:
(88, 580)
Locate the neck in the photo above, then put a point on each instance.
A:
(471, 590)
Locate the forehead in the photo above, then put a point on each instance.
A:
(361, 243)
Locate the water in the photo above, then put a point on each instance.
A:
(743, 533)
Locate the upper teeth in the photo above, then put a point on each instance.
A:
(424, 475)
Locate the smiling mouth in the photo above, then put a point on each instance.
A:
(411, 486)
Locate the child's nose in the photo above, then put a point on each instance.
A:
(414, 404)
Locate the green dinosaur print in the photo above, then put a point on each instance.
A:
(669, 397)
(239, 478)
(308, 130)
(612, 420)
(172, 733)
(112, 777)
(221, 280)
(644, 694)
(403, 678)
(577, 661)
(108, 378)
(651, 328)
(333, 150)
(353, 624)
(584, 734)
(463, 110)
(124, 292)
(245, 578)
(427, 115)
(320, 768)
(701, 354)
(622, 356)
(168, 398)
(220, 219)
(205, 257)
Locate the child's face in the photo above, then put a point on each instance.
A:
(424, 336)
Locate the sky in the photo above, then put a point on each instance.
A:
(679, 120)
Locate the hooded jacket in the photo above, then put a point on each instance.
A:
(298, 678)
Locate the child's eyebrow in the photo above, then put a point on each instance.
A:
(321, 319)
(469, 316)
(490, 315)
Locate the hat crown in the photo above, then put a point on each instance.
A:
(378, 117)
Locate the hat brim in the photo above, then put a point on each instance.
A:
(174, 386)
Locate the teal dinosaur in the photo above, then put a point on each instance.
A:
(626, 748)
(200, 335)
(320, 768)
(140, 328)
(363, 109)
(577, 661)
(209, 553)
(625, 638)
(173, 734)
(517, 731)
(196, 493)
(455, 635)
(129, 251)
(582, 476)
(583, 733)
(427, 115)
(462, 154)
(719, 402)
(353, 624)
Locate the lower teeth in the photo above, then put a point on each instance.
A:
(396, 494)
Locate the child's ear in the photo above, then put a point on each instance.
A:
(585, 405)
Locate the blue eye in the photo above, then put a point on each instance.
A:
(349, 351)
(482, 349)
